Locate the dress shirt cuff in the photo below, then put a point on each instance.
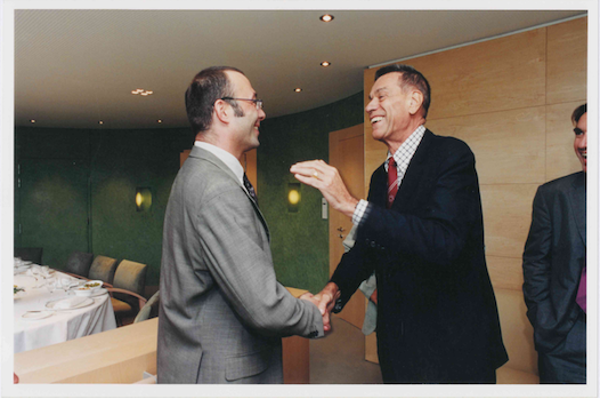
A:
(359, 212)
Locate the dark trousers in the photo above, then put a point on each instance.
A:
(567, 362)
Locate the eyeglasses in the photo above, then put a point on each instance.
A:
(257, 102)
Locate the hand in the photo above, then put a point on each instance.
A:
(327, 298)
(317, 302)
(326, 179)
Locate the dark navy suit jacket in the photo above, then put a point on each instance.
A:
(554, 258)
(437, 316)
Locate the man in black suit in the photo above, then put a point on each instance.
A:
(554, 270)
(437, 318)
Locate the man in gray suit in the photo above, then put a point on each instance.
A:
(222, 312)
(554, 270)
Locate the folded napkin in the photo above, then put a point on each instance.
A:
(69, 303)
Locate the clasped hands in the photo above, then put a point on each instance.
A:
(325, 301)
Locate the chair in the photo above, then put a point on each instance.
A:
(78, 264)
(129, 284)
(149, 310)
(33, 254)
(103, 268)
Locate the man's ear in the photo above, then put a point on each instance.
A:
(416, 100)
(222, 111)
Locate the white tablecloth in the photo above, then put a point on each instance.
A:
(61, 325)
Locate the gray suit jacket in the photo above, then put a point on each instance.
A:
(222, 312)
(554, 258)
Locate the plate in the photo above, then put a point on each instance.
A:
(89, 293)
(33, 316)
(86, 302)
(99, 292)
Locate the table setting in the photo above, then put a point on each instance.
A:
(52, 307)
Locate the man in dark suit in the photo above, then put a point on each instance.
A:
(437, 319)
(222, 311)
(555, 272)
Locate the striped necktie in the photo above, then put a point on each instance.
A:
(250, 188)
(392, 182)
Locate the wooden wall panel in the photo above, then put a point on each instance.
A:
(560, 154)
(567, 61)
(496, 96)
(507, 217)
(375, 151)
(502, 74)
(517, 332)
(508, 146)
(250, 168)
(506, 272)
(511, 100)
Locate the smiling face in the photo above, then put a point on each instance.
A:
(245, 125)
(392, 110)
(580, 143)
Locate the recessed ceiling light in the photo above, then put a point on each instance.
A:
(325, 64)
(326, 18)
(100, 122)
(159, 121)
(141, 91)
(297, 89)
(32, 120)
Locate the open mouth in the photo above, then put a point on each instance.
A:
(376, 119)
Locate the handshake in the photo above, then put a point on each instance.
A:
(325, 301)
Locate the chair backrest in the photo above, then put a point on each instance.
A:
(79, 263)
(33, 254)
(103, 268)
(131, 276)
(150, 309)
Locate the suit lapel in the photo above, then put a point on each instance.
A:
(577, 203)
(378, 192)
(206, 155)
(413, 176)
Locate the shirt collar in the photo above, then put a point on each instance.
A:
(226, 157)
(406, 151)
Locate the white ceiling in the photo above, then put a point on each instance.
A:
(75, 67)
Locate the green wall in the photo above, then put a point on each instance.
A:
(299, 241)
(77, 190)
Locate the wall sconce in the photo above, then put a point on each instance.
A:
(143, 199)
(293, 197)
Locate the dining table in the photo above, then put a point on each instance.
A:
(48, 311)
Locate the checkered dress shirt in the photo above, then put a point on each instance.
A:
(403, 156)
